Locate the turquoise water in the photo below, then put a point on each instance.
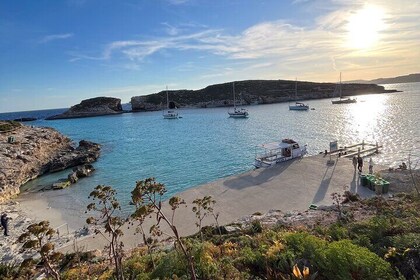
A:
(206, 145)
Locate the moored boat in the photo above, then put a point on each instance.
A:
(169, 112)
(237, 112)
(342, 100)
(299, 106)
(269, 154)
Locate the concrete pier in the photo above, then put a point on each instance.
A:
(292, 185)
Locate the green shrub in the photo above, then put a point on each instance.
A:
(344, 260)
(9, 271)
(9, 125)
(255, 227)
(170, 265)
(338, 232)
(304, 245)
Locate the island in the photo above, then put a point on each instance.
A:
(251, 92)
(98, 106)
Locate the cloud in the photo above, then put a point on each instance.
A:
(178, 2)
(170, 29)
(54, 37)
(278, 44)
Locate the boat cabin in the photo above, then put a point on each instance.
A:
(275, 152)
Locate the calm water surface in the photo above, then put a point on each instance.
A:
(206, 145)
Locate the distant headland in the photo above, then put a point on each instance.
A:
(411, 78)
(251, 92)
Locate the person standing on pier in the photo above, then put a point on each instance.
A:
(370, 166)
(354, 162)
(360, 163)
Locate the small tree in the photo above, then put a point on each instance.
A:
(36, 239)
(147, 196)
(107, 206)
(337, 197)
(140, 214)
(414, 179)
(203, 207)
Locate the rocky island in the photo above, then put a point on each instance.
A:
(28, 152)
(252, 92)
(98, 106)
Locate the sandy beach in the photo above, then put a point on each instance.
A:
(293, 185)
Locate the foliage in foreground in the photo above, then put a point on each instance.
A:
(385, 246)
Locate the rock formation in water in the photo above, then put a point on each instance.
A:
(250, 92)
(98, 106)
(35, 151)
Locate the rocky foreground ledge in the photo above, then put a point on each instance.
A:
(28, 152)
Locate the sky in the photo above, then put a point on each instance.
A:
(55, 53)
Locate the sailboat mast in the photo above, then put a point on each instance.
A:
(234, 98)
(295, 89)
(167, 98)
(340, 85)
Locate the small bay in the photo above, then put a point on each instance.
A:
(205, 145)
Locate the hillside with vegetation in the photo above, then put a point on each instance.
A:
(377, 238)
(251, 92)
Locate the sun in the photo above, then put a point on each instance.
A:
(363, 28)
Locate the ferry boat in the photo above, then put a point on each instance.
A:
(269, 154)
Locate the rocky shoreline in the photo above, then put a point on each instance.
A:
(27, 152)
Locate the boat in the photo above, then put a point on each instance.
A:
(269, 154)
(342, 100)
(237, 112)
(299, 106)
(170, 113)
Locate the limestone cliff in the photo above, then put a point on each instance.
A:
(35, 151)
(251, 92)
(98, 106)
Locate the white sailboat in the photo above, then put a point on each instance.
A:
(237, 112)
(343, 100)
(299, 106)
(169, 113)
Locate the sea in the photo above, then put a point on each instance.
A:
(205, 144)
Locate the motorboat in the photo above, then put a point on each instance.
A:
(299, 106)
(237, 112)
(270, 154)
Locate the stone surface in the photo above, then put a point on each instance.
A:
(98, 106)
(80, 172)
(62, 184)
(87, 152)
(35, 151)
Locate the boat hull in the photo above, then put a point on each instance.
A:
(238, 115)
(344, 101)
(299, 108)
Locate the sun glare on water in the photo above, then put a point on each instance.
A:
(364, 27)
